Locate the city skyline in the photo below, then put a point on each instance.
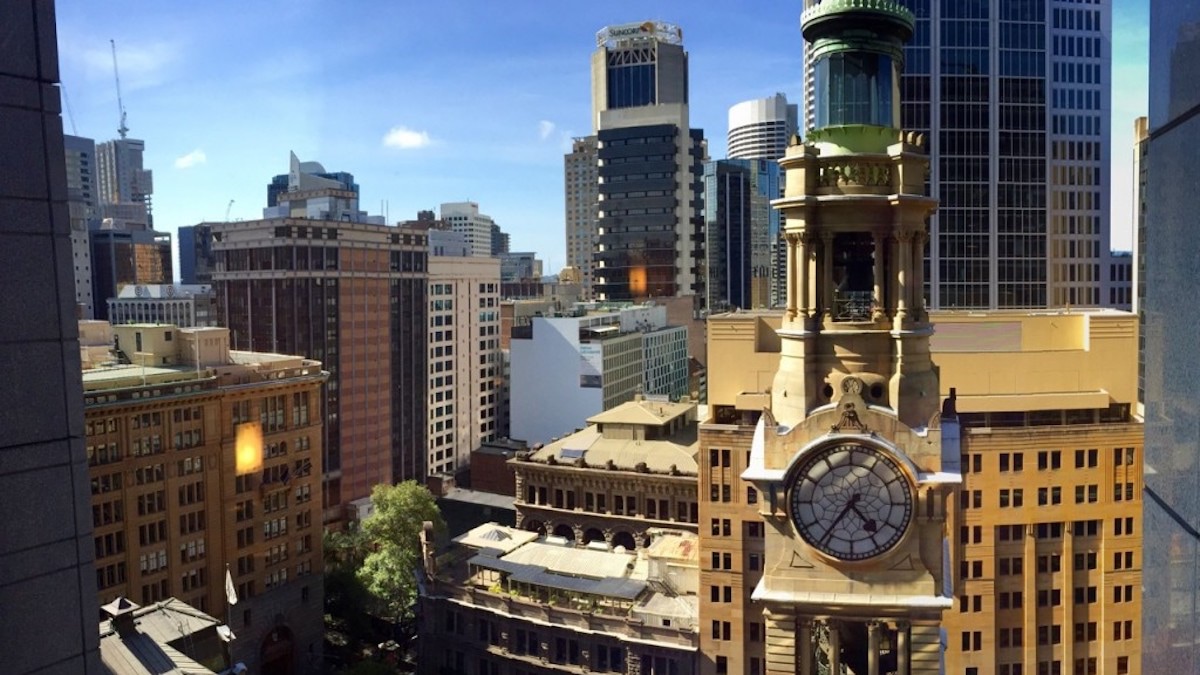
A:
(218, 113)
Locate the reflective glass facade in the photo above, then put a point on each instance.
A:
(1171, 642)
(741, 229)
(1012, 96)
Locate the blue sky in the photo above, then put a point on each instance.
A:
(479, 100)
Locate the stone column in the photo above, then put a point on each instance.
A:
(918, 273)
(902, 652)
(826, 286)
(805, 664)
(873, 630)
(900, 273)
(835, 646)
(793, 270)
(878, 311)
(780, 626)
(804, 257)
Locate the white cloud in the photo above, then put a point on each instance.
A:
(403, 138)
(545, 129)
(191, 159)
(142, 65)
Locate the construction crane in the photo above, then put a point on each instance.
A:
(227, 210)
(67, 104)
(122, 130)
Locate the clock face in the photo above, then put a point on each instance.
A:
(851, 501)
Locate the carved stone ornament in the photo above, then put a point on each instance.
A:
(849, 420)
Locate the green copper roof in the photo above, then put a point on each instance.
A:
(893, 8)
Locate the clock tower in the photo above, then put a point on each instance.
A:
(855, 456)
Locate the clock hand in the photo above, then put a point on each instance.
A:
(868, 523)
(838, 519)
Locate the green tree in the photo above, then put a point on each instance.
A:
(393, 532)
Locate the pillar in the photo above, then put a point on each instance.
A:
(804, 257)
(835, 646)
(825, 289)
(804, 647)
(877, 310)
(793, 270)
(873, 629)
(902, 650)
(900, 254)
(918, 273)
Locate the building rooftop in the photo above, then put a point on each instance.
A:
(614, 583)
(641, 435)
(166, 638)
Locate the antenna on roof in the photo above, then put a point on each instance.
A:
(122, 130)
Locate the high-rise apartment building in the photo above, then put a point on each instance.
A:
(464, 373)
(1014, 98)
(650, 227)
(48, 590)
(1171, 599)
(203, 459)
(761, 128)
(196, 259)
(352, 295)
(465, 217)
(82, 200)
(581, 181)
(741, 232)
(126, 253)
(125, 185)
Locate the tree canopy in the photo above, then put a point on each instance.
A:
(393, 535)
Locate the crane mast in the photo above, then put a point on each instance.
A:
(122, 130)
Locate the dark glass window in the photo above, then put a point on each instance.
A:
(857, 89)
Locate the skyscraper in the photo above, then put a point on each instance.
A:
(1171, 642)
(650, 227)
(741, 230)
(1014, 99)
(196, 258)
(125, 184)
(82, 200)
(123, 253)
(761, 128)
(351, 294)
(581, 180)
(465, 217)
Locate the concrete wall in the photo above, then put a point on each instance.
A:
(49, 621)
(546, 399)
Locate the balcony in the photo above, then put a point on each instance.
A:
(853, 305)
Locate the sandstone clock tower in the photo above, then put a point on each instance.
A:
(855, 456)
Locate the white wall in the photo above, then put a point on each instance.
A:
(545, 397)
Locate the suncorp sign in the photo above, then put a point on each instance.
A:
(663, 32)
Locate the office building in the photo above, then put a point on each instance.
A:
(1015, 101)
(177, 499)
(313, 196)
(1171, 599)
(630, 470)
(510, 601)
(48, 593)
(741, 231)
(82, 200)
(196, 258)
(522, 266)
(352, 295)
(1141, 148)
(464, 374)
(1118, 288)
(761, 128)
(500, 241)
(598, 360)
(305, 176)
(184, 305)
(650, 226)
(125, 185)
(126, 253)
(581, 181)
(465, 217)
